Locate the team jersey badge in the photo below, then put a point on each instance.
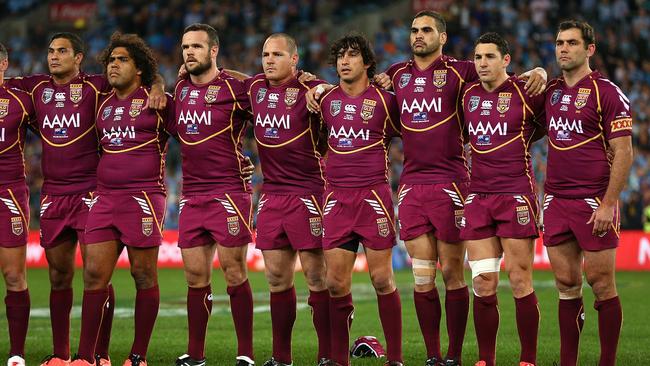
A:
(368, 109)
(136, 107)
(233, 225)
(523, 215)
(211, 94)
(260, 95)
(581, 98)
(46, 97)
(291, 96)
(382, 226)
(316, 226)
(404, 80)
(439, 78)
(503, 104)
(17, 225)
(473, 103)
(335, 107)
(75, 92)
(147, 226)
(4, 107)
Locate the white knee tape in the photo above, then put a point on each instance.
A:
(571, 293)
(424, 271)
(487, 265)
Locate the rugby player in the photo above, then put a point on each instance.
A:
(586, 115)
(361, 120)
(16, 113)
(501, 209)
(128, 207)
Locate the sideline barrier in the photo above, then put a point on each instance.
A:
(633, 254)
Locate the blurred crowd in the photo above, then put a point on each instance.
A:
(623, 55)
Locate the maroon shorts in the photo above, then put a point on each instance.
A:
(436, 208)
(14, 217)
(566, 219)
(289, 220)
(359, 214)
(501, 215)
(135, 219)
(63, 218)
(223, 218)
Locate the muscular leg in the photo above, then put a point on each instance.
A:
(566, 261)
(485, 278)
(519, 254)
(600, 270)
(233, 264)
(279, 269)
(313, 267)
(144, 270)
(390, 307)
(17, 302)
(340, 263)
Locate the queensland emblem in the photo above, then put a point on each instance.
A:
(383, 227)
(147, 226)
(439, 78)
(368, 109)
(291, 96)
(233, 225)
(459, 218)
(503, 104)
(211, 94)
(581, 98)
(17, 225)
(4, 107)
(523, 215)
(75, 92)
(136, 107)
(316, 226)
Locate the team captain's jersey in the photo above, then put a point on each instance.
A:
(429, 102)
(134, 142)
(359, 131)
(501, 125)
(287, 137)
(16, 112)
(65, 116)
(580, 122)
(210, 121)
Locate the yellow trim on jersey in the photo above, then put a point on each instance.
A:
(234, 96)
(535, 212)
(390, 218)
(153, 213)
(574, 146)
(616, 230)
(44, 199)
(10, 147)
(232, 137)
(496, 147)
(20, 209)
(523, 140)
(22, 106)
(354, 151)
(462, 199)
(69, 142)
(31, 93)
(383, 101)
(246, 223)
(205, 139)
(430, 127)
(392, 80)
(328, 198)
(462, 81)
(248, 92)
(131, 148)
(320, 212)
(284, 143)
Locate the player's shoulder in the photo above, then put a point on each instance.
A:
(399, 67)
(335, 92)
(472, 87)
(605, 85)
(257, 81)
(450, 62)
(383, 92)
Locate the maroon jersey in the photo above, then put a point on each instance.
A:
(359, 130)
(210, 121)
(580, 121)
(430, 123)
(16, 111)
(287, 137)
(134, 142)
(501, 124)
(65, 116)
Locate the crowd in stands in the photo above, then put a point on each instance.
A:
(623, 55)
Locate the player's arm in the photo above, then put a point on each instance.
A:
(603, 217)
(314, 94)
(383, 81)
(536, 80)
(157, 99)
(236, 74)
(538, 107)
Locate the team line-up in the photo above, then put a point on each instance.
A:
(324, 156)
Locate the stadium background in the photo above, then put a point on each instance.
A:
(623, 50)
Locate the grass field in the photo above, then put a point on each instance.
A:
(169, 338)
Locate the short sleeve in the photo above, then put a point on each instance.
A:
(615, 111)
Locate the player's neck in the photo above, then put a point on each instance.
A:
(207, 76)
(64, 79)
(572, 77)
(355, 88)
(128, 90)
(490, 86)
(423, 62)
(282, 81)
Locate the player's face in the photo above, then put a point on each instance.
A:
(277, 60)
(121, 70)
(4, 65)
(489, 62)
(425, 38)
(570, 50)
(350, 66)
(198, 56)
(61, 59)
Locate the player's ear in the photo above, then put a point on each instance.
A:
(506, 60)
(443, 38)
(294, 60)
(78, 58)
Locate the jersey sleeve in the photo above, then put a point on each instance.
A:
(100, 82)
(25, 83)
(467, 71)
(169, 116)
(615, 111)
(393, 115)
(241, 95)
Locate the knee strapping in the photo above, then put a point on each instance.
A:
(424, 271)
(487, 265)
(571, 293)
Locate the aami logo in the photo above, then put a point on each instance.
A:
(192, 117)
(488, 129)
(350, 108)
(562, 124)
(273, 121)
(2, 134)
(422, 105)
(62, 121)
(363, 134)
(118, 133)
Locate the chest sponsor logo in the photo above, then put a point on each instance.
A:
(47, 94)
(183, 93)
(107, 112)
(136, 107)
(316, 226)
(348, 135)
(147, 226)
(233, 225)
(62, 121)
(564, 127)
(581, 98)
(335, 107)
(188, 117)
(439, 78)
(555, 97)
(473, 103)
(211, 93)
(4, 107)
(503, 103)
(291, 96)
(76, 91)
(368, 109)
(523, 215)
(116, 135)
(261, 94)
(488, 128)
(283, 122)
(2, 134)
(17, 225)
(383, 227)
(404, 80)
(422, 105)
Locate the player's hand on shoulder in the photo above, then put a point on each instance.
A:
(248, 170)
(182, 72)
(383, 81)
(314, 94)
(305, 76)
(535, 81)
(157, 98)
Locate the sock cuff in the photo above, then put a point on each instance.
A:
(17, 298)
(430, 295)
(290, 292)
(570, 303)
(323, 295)
(391, 295)
(457, 294)
(345, 299)
(530, 299)
(244, 286)
(101, 291)
(199, 291)
(609, 303)
(148, 291)
(486, 300)
(63, 291)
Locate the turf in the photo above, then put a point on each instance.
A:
(169, 338)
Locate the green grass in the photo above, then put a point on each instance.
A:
(169, 338)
